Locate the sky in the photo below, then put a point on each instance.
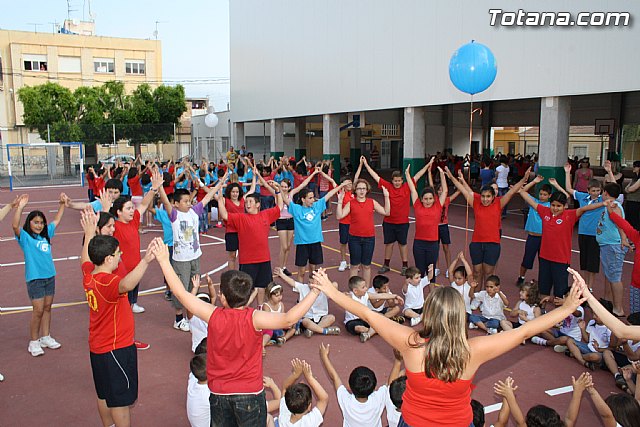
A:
(194, 34)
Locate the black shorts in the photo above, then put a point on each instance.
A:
(351, 326)
(443, 234)
(284, 224)
(310, 253)
(484, 253)
(589, 253)
(260, 273)
(395, 233)
(531, 250)
(115, 375)
(416, 310)
(343, 232)
(231, 242)
(553, 275)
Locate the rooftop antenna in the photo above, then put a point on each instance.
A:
(155, 33)
(55, 26)
(70, 9)
(35, 26)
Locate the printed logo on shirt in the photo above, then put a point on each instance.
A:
(309, 216)
(547, 218)
(559, 221)
(43, 246)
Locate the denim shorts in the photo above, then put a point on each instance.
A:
(361, 249)
(612, 258)
(489, 323)
(40, 288)
(583, 347)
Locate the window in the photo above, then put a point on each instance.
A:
(35, 62)
(69, 64)
(103, 65)
(532, 149)
(512, 147)
(134, 67)
(390, 130)
(580, 151)
(198, 105)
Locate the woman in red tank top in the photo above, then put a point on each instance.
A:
(439, 359)
(362, 235)
(234, 202)
(487, 210)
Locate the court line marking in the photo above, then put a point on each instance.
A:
(492, 408)
(560, 390)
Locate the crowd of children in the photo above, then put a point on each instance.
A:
(230, 337)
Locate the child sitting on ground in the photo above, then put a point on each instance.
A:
(389, 308)
(358, 291)
(413, 291)
(273, 404)
(596, 338)
(198, 409)
(317, 319)
(397, 383)
(493, 303)
(273, 293)
(198, 326)
(629, 352)
(364, 405)
(460, 283)
(234, 359)
(296, 405)
(527, 308)
(558, 337)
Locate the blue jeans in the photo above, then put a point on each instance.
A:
(489, 323)
(402, 423)
(238, 410)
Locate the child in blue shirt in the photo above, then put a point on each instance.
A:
(34, 239)
(161, 215)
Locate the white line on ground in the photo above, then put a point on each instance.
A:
(492, 408)
(561, 390)
(159, 288)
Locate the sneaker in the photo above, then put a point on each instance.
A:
(436, 272)
(404, 270)
(472, 326)
(343, 266)
(560, 348)
(35, 348)
(398, 319)
(1, 377)
(168, 295)
(49, 342)
(364, 337)
(333, 330)
(287, 272)
(182, 325)
(137, 308)
(308, 333)
(538, 341)
(384, 269)
(415, 321)
(219, 225)
(141, 345)
(492, 331)
(520, 281)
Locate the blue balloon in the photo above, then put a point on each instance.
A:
(473, 68)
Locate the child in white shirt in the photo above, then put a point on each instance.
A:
(460, 283)
(413, 290)
(295, 406)
(198, 407)
(568, 329)
(596, 337)
(388, 308)
(364, 407)
(198, 327)
(353, 323)
(492, 302)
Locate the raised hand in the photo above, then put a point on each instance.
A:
(505, 388)
(195, 280)
(385, 192)
(306, 369)
(23, 200)
(89, 221)
(296, 366)
(583, 382)
(324, 350)
(538, 179)
(567, 168)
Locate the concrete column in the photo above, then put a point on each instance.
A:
(554, 136)
(238, 135)
(277, 138)
(414, 140)
(301, 138)
(354, 148)
(331, 142)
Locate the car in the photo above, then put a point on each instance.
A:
(124, 158)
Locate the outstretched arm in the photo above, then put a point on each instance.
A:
(328, 366)
(296, 371)
(386, 209)
(445, 189)
(132, 279)
(567, 178)
(463, 190)
(583, 382)
(507, 389)
(412, 186)
(156, 183)
(61, 204)
(373, 173)
(89, 222)
(263, 320)
(528, 199)
(321, 394)
(7, 208)
(513, 190)
(601, 406)
(422, 171)
(558, 187)
(17, 217)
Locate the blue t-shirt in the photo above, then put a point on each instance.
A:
(163, 218)
(96, 205)
(307, 222)
(607, 231)
(38, 261)
(182, 184)
(589, 220)
(486, 175)
(125, 187)
(146, 188)
(534, 222)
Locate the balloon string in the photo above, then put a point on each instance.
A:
(466, 227)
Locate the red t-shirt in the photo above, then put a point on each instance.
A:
(488, 221)
(111, 323)
(169, 189)
(134, 186)
(400, 199)
(91, 183)
(427, 220)
(348, 196)
(264, 191)
(253, 234)
(234, 356)
(557, 233)
(98, 185)
(129, 239)
(431, 402)
(361, 214)
(298, 179)
(232, 208)
(444, 218)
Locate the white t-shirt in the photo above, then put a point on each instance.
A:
(311, 419)
(358, 414)
(199, 331)
(382, 306)
(393, 415)
(198, 408)
(492, 307)
(319, 308)
(600, 333)
(502, 176)
(364, 300)
(414, 297)
(570, 325)
(186, 240)
(527, 309)
(464, 291)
